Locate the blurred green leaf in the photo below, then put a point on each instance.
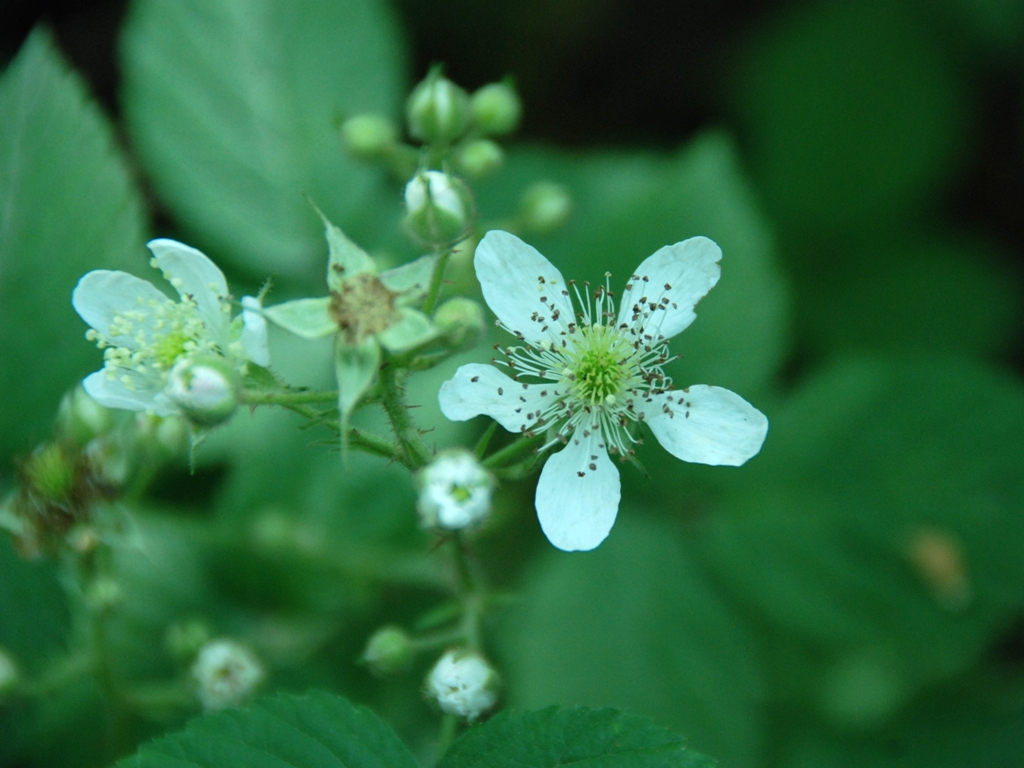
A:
(852, 110)
(69, 205)
(634, 625)
(33, 614)
(952, 294)
(629, 205)
(317, 730)
(580, 737)
(881, 526)
(233, 107)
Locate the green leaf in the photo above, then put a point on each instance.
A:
(308, 318)
(69, 205)
(634, 625)
(317, 730)
(588, 738)
(880, 527)
(233, 107)
(853, 112)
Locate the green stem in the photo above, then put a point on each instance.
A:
(413, 453)
(469, 594)
(436, 280)
(513, 451)
(449, 729)
(60, 674)
(257, 397)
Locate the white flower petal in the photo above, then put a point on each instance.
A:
(707, 425)
(482, 389)
(254, 332)
(101, 294)
(525, 291)
(193, 275)
(146, 394)
(673, 280)
(578, 493)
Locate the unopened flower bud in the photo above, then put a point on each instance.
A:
(460, 321)
(388, 651)
(544, 207)
(206, 390)
(9, 677)
(437, 110)
(50, 472)
(496, 109)
(227, 674)
(184, 639)
(368, 137)
(479, 159)
(463, 684)
(80, 418)
(454, 491)
(438, 208)
(103, 594)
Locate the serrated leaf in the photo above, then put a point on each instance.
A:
(634, 625)
(881, 526)
(69, 205)
(318, 730)
(233, 107)
(582, 737)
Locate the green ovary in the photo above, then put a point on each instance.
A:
(167, 349)
(600, 364)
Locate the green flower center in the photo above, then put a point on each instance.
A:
(600, 365)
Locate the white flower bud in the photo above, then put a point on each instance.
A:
(227, 674)
(438, 207)
(463, 684)
(9, 676)
(496, 109)
(437, 110)
(454, 491)
(205, 389)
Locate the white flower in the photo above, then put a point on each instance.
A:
(463, 684)
(227, 674)
(144, 334)
(455, 491)
(591, 376)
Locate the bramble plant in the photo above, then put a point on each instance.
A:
(396, 439)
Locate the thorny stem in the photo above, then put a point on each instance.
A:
(411, 451)
(436, 279)
(257, 397)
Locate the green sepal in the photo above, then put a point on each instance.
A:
(345, 259)
(414, 329)
(308, 318)
(411, 281)
(355, 366)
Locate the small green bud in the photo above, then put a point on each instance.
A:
(439, 208)
(103, 594)
(206, 390)
(437, 110)
(388, 651)
(461, 322)
(183, 639)
(80, 418)
(496, 109)
(9, 676)
(479, 159)
(51, 472)
(368, 137)
(544, 207)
